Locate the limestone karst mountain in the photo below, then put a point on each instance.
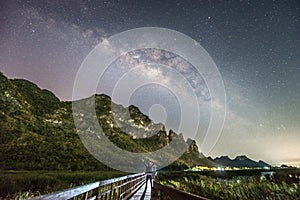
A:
(37, 131)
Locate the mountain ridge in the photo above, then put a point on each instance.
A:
(37, 131)
(239, 161)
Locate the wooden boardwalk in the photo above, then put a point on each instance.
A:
(144, 193)
(132, 187)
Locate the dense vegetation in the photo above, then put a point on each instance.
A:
(281, 186)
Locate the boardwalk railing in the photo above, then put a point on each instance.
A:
(117, 188)
(162, 192)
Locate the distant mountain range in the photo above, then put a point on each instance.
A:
(239, 161)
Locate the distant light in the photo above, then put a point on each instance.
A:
(220, 169)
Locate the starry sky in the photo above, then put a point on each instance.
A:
(255, 45)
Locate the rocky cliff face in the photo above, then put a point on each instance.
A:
(37, 131)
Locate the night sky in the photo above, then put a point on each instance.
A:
(255, 45)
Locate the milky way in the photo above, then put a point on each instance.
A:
(255, 45)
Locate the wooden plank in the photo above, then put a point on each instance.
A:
(144, 193)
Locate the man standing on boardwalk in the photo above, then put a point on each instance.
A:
(149, 172)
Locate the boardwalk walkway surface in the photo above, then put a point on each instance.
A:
(144, 193)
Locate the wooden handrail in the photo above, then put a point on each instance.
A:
(165, 192)
(119, 188)
(116, 188)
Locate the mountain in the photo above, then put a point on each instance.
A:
(239, 161)
(37, 97)
(37, 131)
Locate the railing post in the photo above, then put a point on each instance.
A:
(85, 196)
(110, 193)
(114, 192)
(159, 194)
(120, 190)
(126, 186)
(96, 192)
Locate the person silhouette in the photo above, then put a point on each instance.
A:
(149, 172)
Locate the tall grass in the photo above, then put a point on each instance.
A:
(238, 188)
(26, 184)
